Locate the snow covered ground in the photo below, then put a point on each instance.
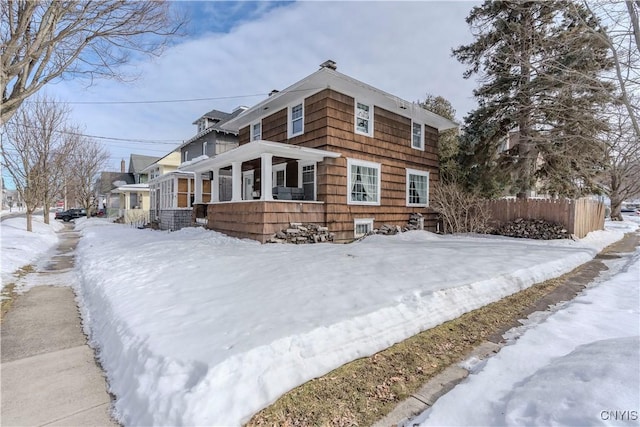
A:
(196, 328)
(579, 366)
(20, 247)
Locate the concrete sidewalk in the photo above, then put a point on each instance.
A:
(49, 375)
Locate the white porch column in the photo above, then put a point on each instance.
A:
(266, 177)
(236, 181)
(215, 186)
(198, 188)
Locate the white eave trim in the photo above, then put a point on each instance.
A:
(254, 149)
(131, 188)
(331, 79)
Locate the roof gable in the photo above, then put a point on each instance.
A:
(138, 162)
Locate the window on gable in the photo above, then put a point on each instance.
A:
(296, 120)
(256, 131)
(417, 188)
(364, 119)
(363, 182)
(417, 136)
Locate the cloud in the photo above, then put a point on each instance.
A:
(403, 48)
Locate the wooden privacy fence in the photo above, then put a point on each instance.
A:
(579, 216)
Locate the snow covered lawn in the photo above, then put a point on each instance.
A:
(580, 366)
(20, 247)
(196, 328)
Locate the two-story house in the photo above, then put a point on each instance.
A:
(172, 192)
(330, 150)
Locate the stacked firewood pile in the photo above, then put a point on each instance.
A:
(299, 233)
(532, 229)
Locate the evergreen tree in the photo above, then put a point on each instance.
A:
(448, 144)
(539, 65)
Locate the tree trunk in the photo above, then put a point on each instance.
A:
(616, 208)
(45, 212)
(29, 220)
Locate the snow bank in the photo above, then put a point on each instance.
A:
(580, 366)
(196, 328)
(20, 247)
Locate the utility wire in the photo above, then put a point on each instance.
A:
(164, 101)
(146, 141)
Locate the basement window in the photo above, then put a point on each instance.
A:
(362, 226)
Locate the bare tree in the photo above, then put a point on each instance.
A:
(35, 143)
(621, 34)
(623, 151)
(45, 40)
(84, 165)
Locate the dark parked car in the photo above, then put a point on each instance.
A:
(70, 214)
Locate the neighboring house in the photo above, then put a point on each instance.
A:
(211, 138)
(172, 193)
(114, 190)
(329, 150)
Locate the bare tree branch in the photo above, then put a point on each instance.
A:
(43, 41)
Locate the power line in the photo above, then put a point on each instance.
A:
(162, 101)
(109, 138)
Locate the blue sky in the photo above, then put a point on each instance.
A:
(235, 53)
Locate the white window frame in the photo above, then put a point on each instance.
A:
(274, 172)
(290, 133)
(421, 147)
(408, 183)
(361, 221)
(186, 156)
(355, 117)
(204, 148)
(252, 130)
(356, 162)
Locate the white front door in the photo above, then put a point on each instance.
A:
(247, 185)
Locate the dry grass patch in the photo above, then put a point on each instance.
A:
(363, 391)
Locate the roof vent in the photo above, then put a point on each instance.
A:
(329, 64)
(273, 92)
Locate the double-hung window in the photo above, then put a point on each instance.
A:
(363, 182)
(296, 120)
(417, 136)
(417, 188)
(256, 131)
(308, 173)
(364, 118)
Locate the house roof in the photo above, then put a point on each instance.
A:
(215, 115)
(327, 78)
(254, 150)
(138, 162)
(218, 127)
(107, 180)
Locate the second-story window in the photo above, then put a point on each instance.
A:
(296, 120)
(256, 131)
(364, 119)
(417, 136)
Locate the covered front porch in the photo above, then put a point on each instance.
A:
(272, 184)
